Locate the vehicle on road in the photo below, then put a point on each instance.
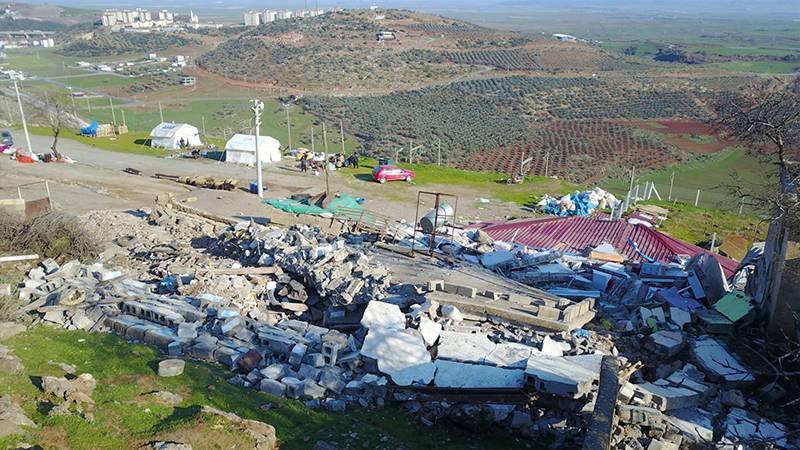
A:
(6, 139)
(385, 173)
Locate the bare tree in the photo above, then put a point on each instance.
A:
(55, 112)
(767, 116)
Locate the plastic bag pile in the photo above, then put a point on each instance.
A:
(578, 203)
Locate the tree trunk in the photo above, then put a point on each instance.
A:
(54, 148)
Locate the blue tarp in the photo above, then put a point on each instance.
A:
(90, 130)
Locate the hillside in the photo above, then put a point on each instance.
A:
(340, 51)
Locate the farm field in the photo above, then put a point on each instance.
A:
(761, 66)
(579, 151)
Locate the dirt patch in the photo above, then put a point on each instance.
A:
(688, 135)
(55, 438)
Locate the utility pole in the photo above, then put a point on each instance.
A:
(204, 124)
(113, 116)
(633, 174)
(161, 112)
(88, 105)
(72, 97)
(411, 149)
(341, 132)
(288, 126)
(439, 152)
(22, 117)
(124, 122)
(325, 162)
(397, 154)
(312, 141)
(547, 163)
(258, 108)
(671, 181)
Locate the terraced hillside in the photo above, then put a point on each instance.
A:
(488, 123)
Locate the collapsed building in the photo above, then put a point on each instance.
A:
(503, 332)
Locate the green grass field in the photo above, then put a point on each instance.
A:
(714, 175)
(697, 224)
(95, 81)
(127, 417)
(42, 62)
(760, 66)
(492, 184)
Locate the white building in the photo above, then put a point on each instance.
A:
(284, 14)
(565, 37)
(270, 16)
(252, 19)
(241, 149)
(168, 135)
(166, 16)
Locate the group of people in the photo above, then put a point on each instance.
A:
(308, 162)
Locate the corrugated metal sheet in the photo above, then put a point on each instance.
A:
(574, 234)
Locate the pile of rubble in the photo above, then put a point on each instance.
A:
(303, 315)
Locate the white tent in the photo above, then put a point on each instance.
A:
(241, 149)
(168, 135)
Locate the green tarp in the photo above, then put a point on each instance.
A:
(296, 207)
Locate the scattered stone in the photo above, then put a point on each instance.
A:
(171, 367)
(12, 418)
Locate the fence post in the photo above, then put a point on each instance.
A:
(19, 192)
(697, 198)
(741, 205)
(671, 181)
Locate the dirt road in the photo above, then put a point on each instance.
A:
(97, 181)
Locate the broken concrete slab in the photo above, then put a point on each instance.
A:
(665, 398)
(694, 424)
(713, 358)
(666, 343)
(464, 347)
(451, 374)
(510, 355)
(742, 427)
(564, 376)
(400, 354)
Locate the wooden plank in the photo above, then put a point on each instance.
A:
(17, 258)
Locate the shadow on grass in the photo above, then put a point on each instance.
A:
(363, 177)
(145, 142)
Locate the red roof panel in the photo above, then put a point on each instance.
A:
(574, 234)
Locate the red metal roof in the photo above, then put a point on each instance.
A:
(574, 234)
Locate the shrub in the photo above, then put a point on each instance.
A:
(54, 234)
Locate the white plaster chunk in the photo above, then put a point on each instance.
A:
(383, 315)
(400, 354)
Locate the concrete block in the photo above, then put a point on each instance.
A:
(171, 367)
(273, 387)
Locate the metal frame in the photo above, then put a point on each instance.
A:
(437, 203)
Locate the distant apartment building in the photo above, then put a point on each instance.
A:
(252, 18)
(135, 18)
(270, 16)
(255, 18)
(166, 15)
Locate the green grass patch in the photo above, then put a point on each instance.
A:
(127, 143)
(714, 175)
(126, 417)
(492, 184)
(760, 66)
(95, 81)
(695, 224)
(42, 62)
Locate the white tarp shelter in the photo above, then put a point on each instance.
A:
(168, 135)
(241, 149)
